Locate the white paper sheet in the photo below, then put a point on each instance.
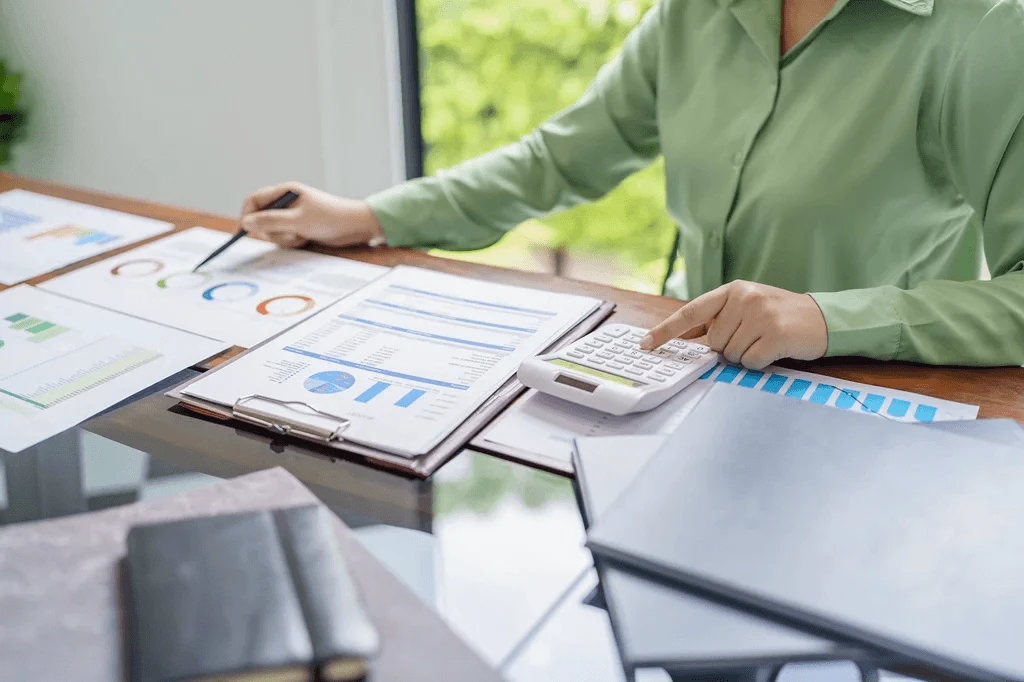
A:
(546, 426)
(62, 362)
(407, 358)
(246, 295)
(40, 234)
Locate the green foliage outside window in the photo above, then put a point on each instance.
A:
(495, 69)
(12, 117)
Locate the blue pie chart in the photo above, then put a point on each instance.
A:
(329, 382)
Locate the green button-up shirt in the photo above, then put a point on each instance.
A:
(875, 165)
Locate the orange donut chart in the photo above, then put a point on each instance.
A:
(127, 269)
(307, 305)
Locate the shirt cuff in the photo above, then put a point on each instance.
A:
(862, 322)
(395, 209)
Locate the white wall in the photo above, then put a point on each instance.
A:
(198, 102)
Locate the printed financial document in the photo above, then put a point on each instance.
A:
(62, 362)
(249, 293)
(406, 359)
(40, 234)
(545, 427)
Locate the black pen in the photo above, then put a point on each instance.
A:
(283, 201)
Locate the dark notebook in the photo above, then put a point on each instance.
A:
(658, 626)
(905, 539)
(259, 596)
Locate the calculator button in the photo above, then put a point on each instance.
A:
(574, 354)
(693, 354)
(635, 354)
(593, 343)
(616, 365)
(703, 350)
(615, 330)
(605, 354)
(667, 372)
(676, 343)
(634, 370)
(644, 365)
(623, 343)
(616, 350)
(624, 360)
(603, 338)
(595, 361)
(671, 364)
(653, 360)
(662, 353)
(657, 377)
(584, 349)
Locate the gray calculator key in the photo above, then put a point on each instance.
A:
(644, 365)
(634, 370)
(657, 377)
(584, 349)
(595, 361)
(667, 372)
(693, 354)
(624, 360)
(623, 343)
(603, 338)
(674, 365)
(616, 365)
(605, 354)
(593, 343)
(635, 354)
(574, 354)
(615, 330)
(703, 350)
(615, 349)
(678, 343)
(653, 360)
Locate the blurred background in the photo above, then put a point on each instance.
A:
(198, 102)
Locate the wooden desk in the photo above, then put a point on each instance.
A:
(999, 391)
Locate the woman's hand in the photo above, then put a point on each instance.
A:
(315, 216)
(749, 324)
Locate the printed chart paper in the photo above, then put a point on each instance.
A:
(406, 359)
(40, 234)
(546, 426)
(247, 294)
(62, 362)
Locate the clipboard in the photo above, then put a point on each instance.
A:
(261, 415)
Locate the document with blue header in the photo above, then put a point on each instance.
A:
(401, 363)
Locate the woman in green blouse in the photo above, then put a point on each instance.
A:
(839, 170)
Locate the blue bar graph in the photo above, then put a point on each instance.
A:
(873, 403)
(751, 378)
(847, 399)
(822, 393)
(774, 384)
(925, 413)
(898, 408)
(727, 375)
(410, 397)
(707, 374)
(372, 392)
(798, 388)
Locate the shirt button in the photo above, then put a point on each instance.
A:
(737, 159)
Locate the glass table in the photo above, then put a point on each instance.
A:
(495, 548)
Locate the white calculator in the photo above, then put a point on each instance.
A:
(607, 371)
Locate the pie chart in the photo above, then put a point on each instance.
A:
(329, 382)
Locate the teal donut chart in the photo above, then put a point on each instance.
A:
(251, 290)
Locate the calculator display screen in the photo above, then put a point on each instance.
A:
(558, 362)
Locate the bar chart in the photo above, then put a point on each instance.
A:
(12, 220)
(37, 329)
(843, 395)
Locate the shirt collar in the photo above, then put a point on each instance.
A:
(923, 8)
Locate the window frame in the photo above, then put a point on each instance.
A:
(409, 74)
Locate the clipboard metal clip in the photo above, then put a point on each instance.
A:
(248, 409)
